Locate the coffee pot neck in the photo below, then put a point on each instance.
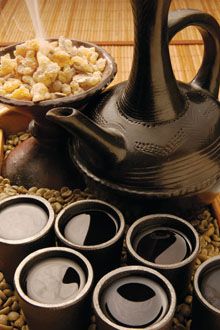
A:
(151, 93)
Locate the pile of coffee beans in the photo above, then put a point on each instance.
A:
(13, 140)
(11, 315)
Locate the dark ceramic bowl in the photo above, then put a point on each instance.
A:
(179, 273)
(105, 322)
(13, 251)
(104, 256)
(76, 100)
(67, 315)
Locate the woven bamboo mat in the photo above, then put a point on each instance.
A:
(106, 21)
(186, 60)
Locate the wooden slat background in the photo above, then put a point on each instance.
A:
(99, 20)
(108, 22)
(186, 60)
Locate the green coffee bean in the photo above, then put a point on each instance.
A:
(8, 302)
(3, 286)
(24, 136)
(4, 319)
(203, 257)
(4, 310)
(19, 322)
(2, 295)
(15, 307)
(57, 207)
(8, 292)
(32, 190)
(185, 310)
(13, 316)
(188, 300)
(5, 327)
(65, 192)
(25, 327)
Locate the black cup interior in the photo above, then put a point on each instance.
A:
(103, 225)
(164, 222)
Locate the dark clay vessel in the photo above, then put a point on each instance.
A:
(153, 137)
(72, 314)
(179, 273)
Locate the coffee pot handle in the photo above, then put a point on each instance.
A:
(208, 76)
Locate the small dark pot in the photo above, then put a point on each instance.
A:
(103, 257)
(205, 316)
(180, 273)
(14, 251)
(71, 315)
(104, 323)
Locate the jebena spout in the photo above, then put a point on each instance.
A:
(107, 143)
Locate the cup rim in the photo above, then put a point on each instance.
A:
(108, 278)
(101, 246)
(43, 231)
(200, 270)
(68, 303)
(176, 265)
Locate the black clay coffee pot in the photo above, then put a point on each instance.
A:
(153, 137)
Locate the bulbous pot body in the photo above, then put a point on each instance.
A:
(153, 138)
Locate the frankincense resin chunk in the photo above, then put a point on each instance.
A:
(43, 70)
